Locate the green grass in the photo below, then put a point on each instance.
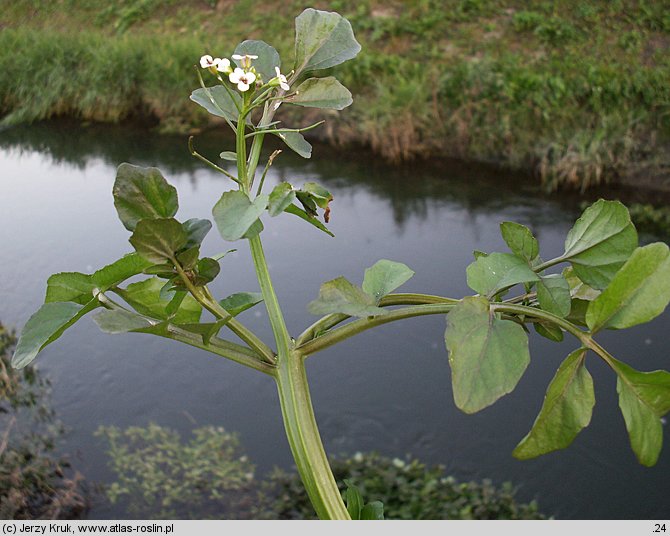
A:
(576, 91)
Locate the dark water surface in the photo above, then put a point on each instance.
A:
(386, 390)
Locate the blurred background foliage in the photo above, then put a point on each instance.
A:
(575, 91)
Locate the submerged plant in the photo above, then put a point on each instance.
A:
(161, 476)
(608, 281)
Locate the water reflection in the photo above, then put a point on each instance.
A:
(410, 189)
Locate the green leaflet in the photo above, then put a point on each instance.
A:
(241, 301)
(207, 270)
(341, 296)
(235, 214)
(142, 193)
(566, 410)
(196, 230)
(281, 197)
(297, 211)
(384, 277)
(487, 355)
(644, 397)
(520, 240)
(549, 331)
(268, 58)
(79, 288)
(117, 272)
(322, 93)
(218, 101)
(492, 273)
(553, 293)
(45, 326)
(69, 287)
(318, 195)
(145, 298)
(639, 292)
(187, 258)
(600, 242)
(322, 40)
(119, 321)
(158, 240)
(296, 142)
(206, 330)
(579, 289)
(578, 310)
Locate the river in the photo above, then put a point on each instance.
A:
(386, 390)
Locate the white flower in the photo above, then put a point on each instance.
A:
(206, 61)
(243, 79)
(245, 59)
(283, 83)
(215, 64)
(222, 65)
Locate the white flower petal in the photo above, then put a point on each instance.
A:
(242, 86)
(284, 86)
(237, 57)
(235, 76)
(251, 77)
(206, 61)
(278, 72)
(222, 64)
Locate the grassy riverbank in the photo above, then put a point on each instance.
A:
(576, 91)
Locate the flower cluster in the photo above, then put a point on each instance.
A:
(244, 76)
(221, 65)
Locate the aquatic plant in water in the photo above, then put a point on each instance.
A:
(607, 282)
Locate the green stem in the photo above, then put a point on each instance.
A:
(303, 437)
(332, 320)
(430, 308)
(268, 113)
(265, 171)
(548, 264)
(221, 347)
(239, 329)
(209, 163)
(283, 130)
(257, 144)
(299, 421)
(204, 298)
(363, 324)
(217, 346)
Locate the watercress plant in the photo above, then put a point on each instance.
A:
(607, 281)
